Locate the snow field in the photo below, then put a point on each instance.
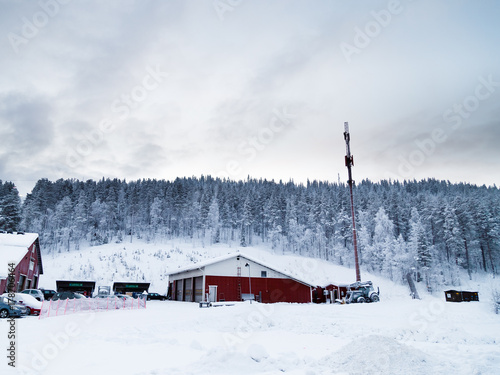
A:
(396, 336)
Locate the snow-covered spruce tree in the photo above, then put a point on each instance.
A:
(419, 248)
(487, 228)
(10, 207)
(246, 223)
(384, 243)
(64, 224)
(453, 244)
(156, 217)
(213, 221)
(80, 218)
(364, 237)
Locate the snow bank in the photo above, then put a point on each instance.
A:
(180, 338)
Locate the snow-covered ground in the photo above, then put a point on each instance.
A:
(396, 336)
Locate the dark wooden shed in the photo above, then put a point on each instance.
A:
(461, 296)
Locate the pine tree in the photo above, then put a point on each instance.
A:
(419, 247)
(383, 243)
(214, 221)
(10, 207)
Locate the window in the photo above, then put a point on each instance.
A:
(263, 273)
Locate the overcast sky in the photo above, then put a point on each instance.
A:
(166, 89)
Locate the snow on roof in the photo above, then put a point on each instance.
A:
(13, 248)
(222, 258)
(16, 239)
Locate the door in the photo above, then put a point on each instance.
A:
(212, 293)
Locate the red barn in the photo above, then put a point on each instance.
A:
(237, 277)
(20, 256)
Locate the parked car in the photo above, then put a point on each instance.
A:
(35, 293)
(47, 293)
(10, 308)
(156, 296)
(33, 306)
(66, 295)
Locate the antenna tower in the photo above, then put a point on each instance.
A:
(349, 162)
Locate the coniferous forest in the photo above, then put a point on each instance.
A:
(435, 230)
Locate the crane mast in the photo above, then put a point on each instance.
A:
(349, 162)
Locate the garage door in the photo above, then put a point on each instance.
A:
(188, 290)
(198, 289)
(178, 290)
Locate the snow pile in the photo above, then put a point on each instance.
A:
(377, 354)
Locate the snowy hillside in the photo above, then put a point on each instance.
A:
(140, 261)
(152, 262)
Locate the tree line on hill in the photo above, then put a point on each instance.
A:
(432, 229)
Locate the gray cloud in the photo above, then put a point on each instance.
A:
(25, 124)
(225, 79)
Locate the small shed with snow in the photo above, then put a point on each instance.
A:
(461, 296)
(20, 261)
(237, 277)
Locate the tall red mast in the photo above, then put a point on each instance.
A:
(349, 162)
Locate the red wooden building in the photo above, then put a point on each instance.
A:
(237, 277)
(22, 251)
(329, 293)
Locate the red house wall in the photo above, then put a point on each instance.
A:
(273, 290)
(319, 297)
(3, 286)
(23, 268)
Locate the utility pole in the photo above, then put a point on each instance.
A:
(349, 162)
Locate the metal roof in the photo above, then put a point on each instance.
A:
(222, 258)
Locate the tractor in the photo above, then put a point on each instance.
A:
(361, 292)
